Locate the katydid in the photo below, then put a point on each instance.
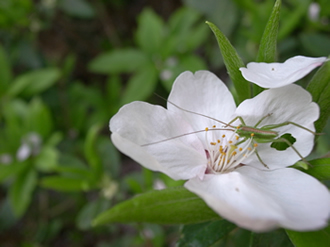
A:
(264, 134)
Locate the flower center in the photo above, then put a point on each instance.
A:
(227, 152)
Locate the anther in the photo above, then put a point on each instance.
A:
(206, 129)
(214, 126)
(223, 136)
(255, 145)
(213, 143)
(252, 134)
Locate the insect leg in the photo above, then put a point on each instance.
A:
(239, 118)
(290, 145)
(259, 158)
(269, 114)
(273, 126)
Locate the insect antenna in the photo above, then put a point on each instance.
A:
(186, 134)
(196, 113)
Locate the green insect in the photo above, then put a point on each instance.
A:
(264, 134)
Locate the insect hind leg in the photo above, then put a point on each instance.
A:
(294, 149)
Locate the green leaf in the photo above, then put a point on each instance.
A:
(39, 118)
(21, 191)
(267, 48)
(217, 12)
(141, 85)
(90, 149)
(168, 206)
(118, 61)
(65, 184)
(90, 211)
(313, 44)
(77, 8)
(275, 238)
(47, 159)
(9, 170)
(233, 62)
(280, 145)
(319, 87)
(320, 168)
(149, 34)
(292, 17)
(204, 234)
(5, 71)
(34, 82)
(319, 238)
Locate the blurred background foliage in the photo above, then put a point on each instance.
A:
(67, 66)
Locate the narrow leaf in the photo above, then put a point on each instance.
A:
(90, 148)
(141, 85)
(21, 191)
(168, 206)
(267, 48)
(204, 234)
(66, 184)
(34, 82)
(118, 61)
(5, 71)
(149, 34)
(319, 238)
(233, 62)
(319, 87)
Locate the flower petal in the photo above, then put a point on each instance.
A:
(202, 93)
(138, 125)
(274, 75)
(262, 200)
(289, 103)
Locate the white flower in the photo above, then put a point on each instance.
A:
(274, 75)
(30, 146)
(224, 171)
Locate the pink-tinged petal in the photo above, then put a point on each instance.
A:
(262, 200)
(203, 93)
(138, 125)
(289, 103)
(274, 75)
